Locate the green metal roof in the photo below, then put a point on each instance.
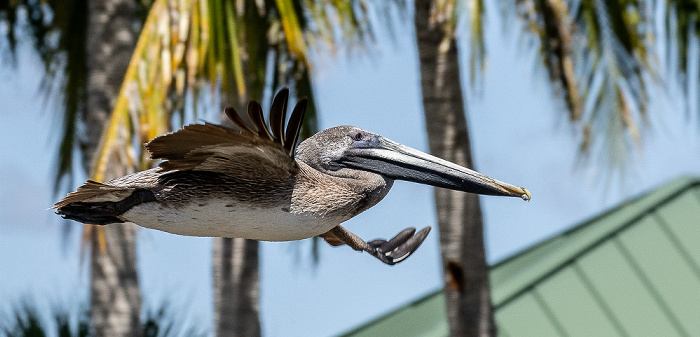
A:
(631, 271)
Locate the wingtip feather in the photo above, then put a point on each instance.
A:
(278, 114)
(238, 121)
(294, 126)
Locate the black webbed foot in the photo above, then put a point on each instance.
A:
(390, 252)
(399, 247)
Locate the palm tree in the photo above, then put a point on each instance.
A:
(94, 68)
(227, 46)
(115, 296)
(604, 83)
(461, 227)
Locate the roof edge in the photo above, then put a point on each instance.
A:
(394, 311)
(665, 193)
(657, 197)
(674, 187)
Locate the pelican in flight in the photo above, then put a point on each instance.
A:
(251, 183)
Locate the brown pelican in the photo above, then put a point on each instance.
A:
(250, 183)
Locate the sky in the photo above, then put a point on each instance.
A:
(519, 135)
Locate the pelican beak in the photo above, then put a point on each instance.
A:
(400, 162)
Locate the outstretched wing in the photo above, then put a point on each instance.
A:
(214, 148)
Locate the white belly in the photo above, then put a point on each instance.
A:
(213, 218)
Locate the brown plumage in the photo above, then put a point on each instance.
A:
(89, 190)
(248, 182)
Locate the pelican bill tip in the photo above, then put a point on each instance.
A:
(526, 194)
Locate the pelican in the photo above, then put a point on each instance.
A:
(249, 182)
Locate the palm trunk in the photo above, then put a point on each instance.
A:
(115, 301)
(460, 221)
(236, 287)
(236, 277)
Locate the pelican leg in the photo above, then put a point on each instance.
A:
(331, 239)
(390, 252)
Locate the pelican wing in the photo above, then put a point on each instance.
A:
(211, 147)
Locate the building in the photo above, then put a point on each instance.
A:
(631, 271)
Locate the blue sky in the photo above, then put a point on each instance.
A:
(519, 135)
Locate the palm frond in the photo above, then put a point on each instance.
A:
(292, 29)
(477, 47)
(58, 34)
(224, 42)
(622, 88)
(597, 56)
(681, 25)
(187, 44)
(165, 320)
(607, 74)
(242, 47)
(72, 82)
(684, 15)
(26, 320)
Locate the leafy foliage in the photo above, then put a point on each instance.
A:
(228, 46)
(246, 47)
(240, 47)
(25, 320)
(684, 15)
(601, 56)
(58, 34)
(166, 321)
(446, 15)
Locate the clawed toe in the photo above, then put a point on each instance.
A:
(399, 247)
(390, 252)
(392, 244)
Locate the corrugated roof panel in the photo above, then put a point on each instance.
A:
(423, 318)
(632, 271)
(574, 306)
(525, 317)
(508, 279)
(662, 266)
(512, 275)
(624, 294)
(682, 219)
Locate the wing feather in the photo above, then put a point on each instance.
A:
(278, 115)
(255, 114)
(294, 126)
(214, 148)
(238, 121)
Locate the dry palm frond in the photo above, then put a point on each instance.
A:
(186, 45)
(199, 42)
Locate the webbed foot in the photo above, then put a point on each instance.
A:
(399, 247)
(390, 252)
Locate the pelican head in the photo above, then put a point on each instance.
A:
(344, 150)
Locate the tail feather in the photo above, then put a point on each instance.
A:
(96, 214)
(101, 204)
(93, 191)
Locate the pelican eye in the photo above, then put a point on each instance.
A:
(357, 136)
